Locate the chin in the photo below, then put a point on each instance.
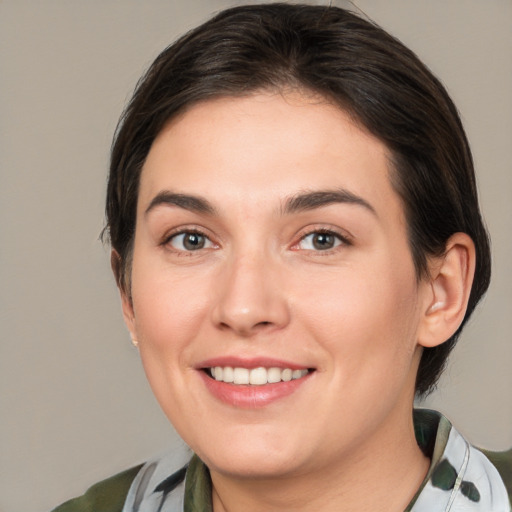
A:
(251, 456)
(263, 466)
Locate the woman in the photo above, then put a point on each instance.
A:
(297, 242)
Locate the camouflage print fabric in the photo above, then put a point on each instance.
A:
(460, 479)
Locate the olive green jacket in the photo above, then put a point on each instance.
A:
(106, 496)
(110, 494)
(434, 434)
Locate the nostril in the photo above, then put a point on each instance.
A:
(246, 330)
(262, 325)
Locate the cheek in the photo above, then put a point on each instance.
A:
(167, 306)
(169, 311)
(365, 317)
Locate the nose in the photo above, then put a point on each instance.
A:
(250, 297)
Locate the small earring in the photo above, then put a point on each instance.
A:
(135, 342)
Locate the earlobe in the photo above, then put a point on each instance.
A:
(451, 277)
(129, 316)
(126, 301)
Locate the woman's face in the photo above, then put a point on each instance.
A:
(271, 246)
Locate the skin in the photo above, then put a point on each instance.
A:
(355, 313)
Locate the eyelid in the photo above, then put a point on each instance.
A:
(183, 230)
(343, 236)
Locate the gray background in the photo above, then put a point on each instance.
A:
(74, 403)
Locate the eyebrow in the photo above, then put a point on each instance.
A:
(316, 199)
(298, 203)
(185, 201)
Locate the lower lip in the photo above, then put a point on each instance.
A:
(251, 397)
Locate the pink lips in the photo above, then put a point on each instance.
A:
(250, 396)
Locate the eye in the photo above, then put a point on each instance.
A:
(321, 241)
(190, 241)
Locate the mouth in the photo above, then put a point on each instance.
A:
(253, 383)
(259, 376)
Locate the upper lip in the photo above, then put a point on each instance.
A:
(249, 363)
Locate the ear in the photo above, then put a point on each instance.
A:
(451, 277)
(126, 300)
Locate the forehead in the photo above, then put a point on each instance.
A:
(271, 145)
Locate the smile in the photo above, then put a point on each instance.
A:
(255, 382)
(254, 376)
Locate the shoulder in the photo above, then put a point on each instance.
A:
(106, 496)
(461, 476)
(502, 461)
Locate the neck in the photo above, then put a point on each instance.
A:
(364, 480)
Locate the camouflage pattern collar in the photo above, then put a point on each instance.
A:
(460, 478)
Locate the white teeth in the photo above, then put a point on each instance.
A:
(240, 375)
(255, 376)
(258, 376)
(296, 374)
(228, 374)
(287, 374)
(273, 375)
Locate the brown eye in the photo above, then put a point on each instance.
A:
(190, 241)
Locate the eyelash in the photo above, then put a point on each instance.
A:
(168, 239)
(339, 240)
